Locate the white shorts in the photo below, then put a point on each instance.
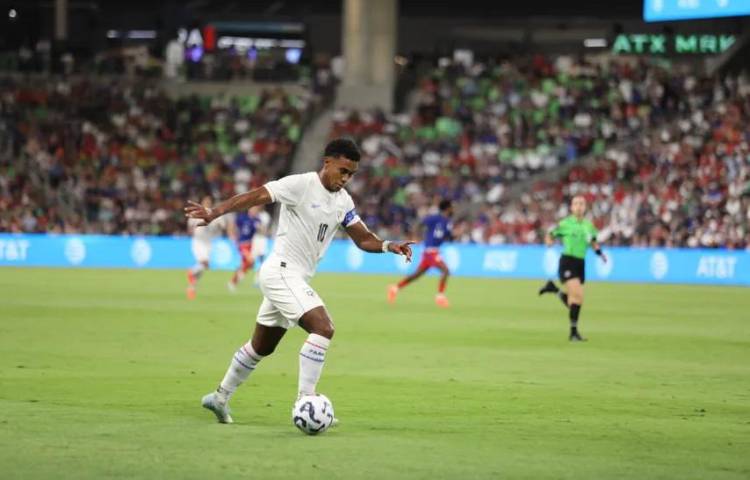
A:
(286, 296)
(201, 250)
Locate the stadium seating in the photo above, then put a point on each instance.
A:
(685, 184)
(478, 130)
(662, 155)
(122, 156)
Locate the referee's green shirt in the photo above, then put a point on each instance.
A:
(576, 235)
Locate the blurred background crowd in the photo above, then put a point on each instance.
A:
(115, 137)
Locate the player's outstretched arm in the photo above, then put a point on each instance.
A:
(243, 201)
(369, 242)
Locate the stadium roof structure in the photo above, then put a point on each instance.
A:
(429, 8)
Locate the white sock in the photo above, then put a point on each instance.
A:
(243, 363)
(311, 359)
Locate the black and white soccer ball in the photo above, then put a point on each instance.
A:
(313, 414)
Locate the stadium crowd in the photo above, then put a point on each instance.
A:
(661, 154)
(682, 181)
(686, 184)
(122, 157)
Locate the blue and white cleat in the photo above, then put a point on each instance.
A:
(220, 409)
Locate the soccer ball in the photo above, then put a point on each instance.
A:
(313, 414)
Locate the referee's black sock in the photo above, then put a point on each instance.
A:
(563, 298)
(575, 310)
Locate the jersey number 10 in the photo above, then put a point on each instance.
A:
(322, 231)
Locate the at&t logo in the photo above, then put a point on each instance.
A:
(75, 251)
(140, 252)
(659, 265)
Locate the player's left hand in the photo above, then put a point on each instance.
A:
(401, 248)
(196, 210)
(603, 256)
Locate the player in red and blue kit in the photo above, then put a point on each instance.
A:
(437, 231)
(246, 224)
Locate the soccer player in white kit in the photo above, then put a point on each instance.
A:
(203, 235)
(313, 206)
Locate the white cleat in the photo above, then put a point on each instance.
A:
(335, 422)
(220, 409)
(231, 286)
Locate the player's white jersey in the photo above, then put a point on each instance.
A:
(310, 216)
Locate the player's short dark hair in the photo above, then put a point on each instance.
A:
(343, 147)
(444, 205)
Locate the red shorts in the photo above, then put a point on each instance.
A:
(431, 258)
(246, 249)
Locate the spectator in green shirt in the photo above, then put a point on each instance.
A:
(577, 234)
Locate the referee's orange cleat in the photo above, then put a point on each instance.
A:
(442, 301)
(190, 292)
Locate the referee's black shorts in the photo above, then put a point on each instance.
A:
(572, 267)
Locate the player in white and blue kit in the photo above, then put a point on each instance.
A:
(313, 206)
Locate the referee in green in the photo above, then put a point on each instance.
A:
(576, 234)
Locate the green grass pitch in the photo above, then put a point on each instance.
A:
(101, 374)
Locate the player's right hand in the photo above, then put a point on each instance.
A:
(402, 248)
(196, 210)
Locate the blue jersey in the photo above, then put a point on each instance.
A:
(438, 230)
(246, 226)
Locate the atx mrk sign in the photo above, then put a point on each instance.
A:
(661, 44)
